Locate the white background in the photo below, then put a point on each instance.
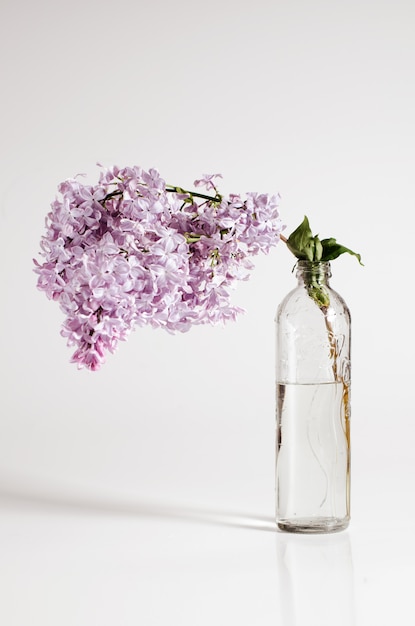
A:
(143, 493)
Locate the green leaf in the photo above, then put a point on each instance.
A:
(318, 249)
(301, 241)
(332, 250)
(307, 247)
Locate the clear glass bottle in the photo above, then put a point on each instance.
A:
(313, 405)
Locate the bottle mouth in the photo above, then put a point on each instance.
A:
(314, 269)
(304, 263)
(307, 263)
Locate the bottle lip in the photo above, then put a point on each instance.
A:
(306, 263)
(316, 268)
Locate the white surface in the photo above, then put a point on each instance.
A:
(71, 563)
(144, 493)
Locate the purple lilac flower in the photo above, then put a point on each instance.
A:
(131, 251)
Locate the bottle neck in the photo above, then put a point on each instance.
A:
(313, 272)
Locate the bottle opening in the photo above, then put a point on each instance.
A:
(315, 270)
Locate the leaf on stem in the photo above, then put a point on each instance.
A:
(308, 247)
(332, 250)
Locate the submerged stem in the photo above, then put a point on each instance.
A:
(332, 342)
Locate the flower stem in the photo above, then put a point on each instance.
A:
(170, 189)
(195, 194)
(110, 195)
(332, 342)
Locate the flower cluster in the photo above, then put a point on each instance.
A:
(132, 250)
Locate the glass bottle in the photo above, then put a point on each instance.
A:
(313, 405)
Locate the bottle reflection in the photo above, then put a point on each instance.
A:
(315, 575)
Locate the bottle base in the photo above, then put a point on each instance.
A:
(313, 525)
